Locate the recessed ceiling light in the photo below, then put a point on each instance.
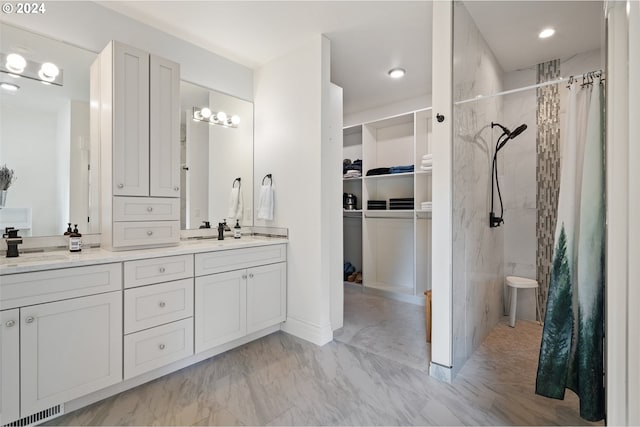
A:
(9, 86)
(396, 73)
(546, 33)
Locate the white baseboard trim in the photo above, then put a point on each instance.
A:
(442, 373)
(317, 334)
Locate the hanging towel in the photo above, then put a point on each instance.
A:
(265, 203)
(235, 204)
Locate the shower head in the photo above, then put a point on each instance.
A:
(518, 131)
(510, 135)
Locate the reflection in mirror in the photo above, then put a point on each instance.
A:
(44, 138)
(214, 152)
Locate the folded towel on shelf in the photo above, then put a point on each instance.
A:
(235, 203)
(378, 171)
(426, 168)
(265, 202)
(427, 157)
(353, 174)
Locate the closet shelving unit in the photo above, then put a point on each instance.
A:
(391, 247)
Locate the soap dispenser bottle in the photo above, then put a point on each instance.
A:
(69, 230)
(236, 230)
(75, 240)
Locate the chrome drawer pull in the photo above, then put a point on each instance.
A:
(120, 185)
(176, 188)
(162, 270)
(10, 323)
(161, 346)
(149, 209)
(149, 233)
(251, 275)
(29, 319)
(162, 304)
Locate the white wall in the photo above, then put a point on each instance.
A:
(17, 125)
(623, 223)
(79, 161)
(288, 144)
(91, 26)
(197, 159)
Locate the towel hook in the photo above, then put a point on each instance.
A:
(270, 179)
(239, 180)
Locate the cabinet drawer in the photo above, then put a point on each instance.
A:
(234, 259)
(146, 209)
(155, 270)
(45, 286)
(129, 234)
(154, 305)
(156, 347)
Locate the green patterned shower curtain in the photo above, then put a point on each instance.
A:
(571, 353)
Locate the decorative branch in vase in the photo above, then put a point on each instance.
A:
(7, 178)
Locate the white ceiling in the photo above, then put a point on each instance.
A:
(511, 29)
(370, 37)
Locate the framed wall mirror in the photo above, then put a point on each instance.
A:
(44, 136)
(45, 139)
(217, 155)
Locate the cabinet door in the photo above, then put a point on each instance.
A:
(266, 296)
(164, 131)
(9, 366)
(220, 309)
(69, 348)
(131, 121)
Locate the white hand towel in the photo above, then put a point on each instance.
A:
(427, 157)
(235, 204)
(265, 203)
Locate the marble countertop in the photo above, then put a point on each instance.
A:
(52, 260)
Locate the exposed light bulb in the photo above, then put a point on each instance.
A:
(221, 116)
(396, 73)
(9, 86)
(235, 120)
(48, 72)
(546, 33)
(15, 63)
(205, 112)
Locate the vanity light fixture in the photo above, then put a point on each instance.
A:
(16, 65)
(9, 86)
(396, 73)
(546, 33)
(220, 118)
(48, 72)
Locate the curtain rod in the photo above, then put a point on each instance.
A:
(522, 89)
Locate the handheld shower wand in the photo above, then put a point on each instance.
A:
(495, 221)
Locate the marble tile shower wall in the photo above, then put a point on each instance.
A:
(478, 266)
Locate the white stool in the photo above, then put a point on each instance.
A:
(514, 283)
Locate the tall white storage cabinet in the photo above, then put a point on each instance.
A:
(391, 247)
(136, 104)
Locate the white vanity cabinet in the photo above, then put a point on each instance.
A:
(9, 366)
(137, 118)
(158, 313)
(68, 349)
(61, 336)
(232, 304)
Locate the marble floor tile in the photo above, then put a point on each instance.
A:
(373, 373)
